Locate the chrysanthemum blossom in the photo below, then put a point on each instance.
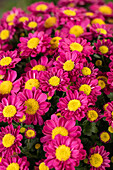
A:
(42, 64)
(10, 140)
(98, 158)
(30, 133)
(11, 108)
(74, 105)
(9, 85)
(65, 152)
(9, 59)
(36, 104)
(93, 114)
(34, 44)
(60, 126)
(105, 137)
(54, 79)
(109, 113)
(15, 162)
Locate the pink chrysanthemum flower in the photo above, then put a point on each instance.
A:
(36, 104)
(9, 85)
(89, 70)
(9, 59)
(90, 87)
(31, 79)
(98, 158)
(60, 126)
(42, 64)
(41, 165)
(76, 44)
(34, 44)
(74, 105)
(10, 140)
(93, 114)
(65, 152)
(6, 33)
(104, 9)
(10, 15)
(104, 47)
(30, 133)
(109, 113)
(20, 19)
(71, 63)
(54, 79)
(15, 162)
(105, 137)
(101, 30)
(32, 23)
(110, 78)
(11, 109)
(41, 7)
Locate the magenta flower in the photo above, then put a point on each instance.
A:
(34, 44)
(11, 109)
(42, 64)
(15, 163)
(109, 113)
(60, 126)
(93, 114)
(54, 79)
(36, 104)
(9, 59)
(98, 158)
(30, 133)
(64, 153)
(74, 105)
(10, 140)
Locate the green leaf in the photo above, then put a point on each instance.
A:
(89, 128)
(110, 96)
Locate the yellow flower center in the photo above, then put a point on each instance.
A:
(50, 22)
(63, 153)
(23, 118)
(110, 129)
(54, 81)
(59, 130)
(112, 159)
(42, 166)
(89, 13)
(5, 87)
(92, 115)
(32, 83)
(30, 133)
(71, 5)
(102, 84)
(103, 49)
(8, 140)
(68, 65)
(76, 46)
(32, 106)
(41, 7)
(105, 79)
(37, 146)
(97, 21)
(86, 71)
(55, 42)
(98, 63)
(5, 61)
(69, 12)
(77, 30)
(105, 10)
(74, 104)
(22, 129)
(32, 24)
(9, 111)
(23, 19)
(96, 160)
(105, 137)
(0, 159)
(105, 106)
(4, 34)
(10, 17)
(85, 88)
(1, 77)
(33, 43)
(13, 166)
(112, 114)
(102, 31)
(39, 68)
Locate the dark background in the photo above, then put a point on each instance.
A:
(6, 5)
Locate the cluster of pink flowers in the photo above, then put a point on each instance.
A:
(56, 86)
